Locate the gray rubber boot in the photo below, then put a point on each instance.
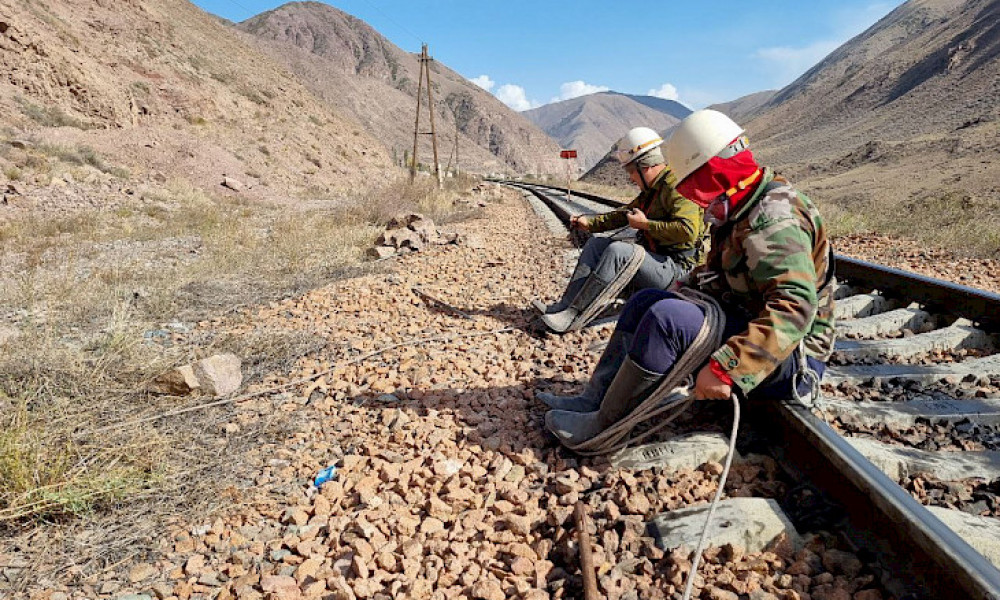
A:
(604, 373)
(561, 321)
(626, 392)
(580, 274)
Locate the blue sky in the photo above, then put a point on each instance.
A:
(532, 53)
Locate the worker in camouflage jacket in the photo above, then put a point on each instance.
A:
(770, 267)
(669, 240)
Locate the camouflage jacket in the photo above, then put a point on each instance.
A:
(676, 225)
(773, 261)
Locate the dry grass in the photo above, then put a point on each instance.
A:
(963, 225)
(89, 292)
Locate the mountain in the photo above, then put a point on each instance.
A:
(909, 109)
(744, 107)
(906, 113)
(359, 72)
(592, 124)
(167, 91)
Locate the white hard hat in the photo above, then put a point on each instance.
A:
(702, 135)
(635, 143)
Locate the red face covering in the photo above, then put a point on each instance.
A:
(718, 175)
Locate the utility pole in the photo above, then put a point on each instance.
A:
(454, 152)
(425, 73)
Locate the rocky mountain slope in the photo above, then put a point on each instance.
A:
(906, 114)
(744, 107)
(166, 91)
(592, 123)
(908, 110)
(359, 72)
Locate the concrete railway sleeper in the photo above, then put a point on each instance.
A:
(948, 333)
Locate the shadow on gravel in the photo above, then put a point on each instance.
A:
(522, 318)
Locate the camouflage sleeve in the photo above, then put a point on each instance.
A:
(683, 226)
(615, 219)
(779, 259)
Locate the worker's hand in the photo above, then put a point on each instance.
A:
(710, 387)
(637, 220)
(580, 222)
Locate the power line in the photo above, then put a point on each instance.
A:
(394, 22)
(248, 11)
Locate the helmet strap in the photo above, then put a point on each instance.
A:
(642, 177)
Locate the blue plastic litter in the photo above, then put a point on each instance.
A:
(325, 475)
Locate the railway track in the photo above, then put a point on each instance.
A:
(916, 362)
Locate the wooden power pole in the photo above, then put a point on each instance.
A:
(425, 74)
(454, 152)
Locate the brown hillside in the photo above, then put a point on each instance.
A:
(593, 123)
(169, 92)
(907, 112)
(744, 106)
(358, 71)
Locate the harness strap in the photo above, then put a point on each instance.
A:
(742, 184)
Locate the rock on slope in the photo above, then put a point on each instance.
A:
(592, 123)
(168, 91)
(354, 68)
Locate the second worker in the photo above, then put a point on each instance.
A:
(669, 243)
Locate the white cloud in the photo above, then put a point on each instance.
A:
(790, 62)
(666, 91)
(575, 89)
(515, 97)
(484, 82)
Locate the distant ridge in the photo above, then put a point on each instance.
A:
(909, 109)
(592, 123)
(744, 107)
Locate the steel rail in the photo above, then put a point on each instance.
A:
(979, 306)
(946, 563)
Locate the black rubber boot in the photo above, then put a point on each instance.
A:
(561, 321)
(604, 373)
(630, 387)
(580, 274)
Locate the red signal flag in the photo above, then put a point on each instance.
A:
(567, 154)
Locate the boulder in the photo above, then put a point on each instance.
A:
(381, 252)
(217, 375)
(178, 382)
(425, 229)
(233, 184)
(403, 221)
(220, 374)
(475, 241)
(401, 238)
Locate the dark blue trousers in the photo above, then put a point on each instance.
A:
(664, 325)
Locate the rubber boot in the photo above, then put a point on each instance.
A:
(580, 274)
(604, 373)
(561, 321)
(631, 386)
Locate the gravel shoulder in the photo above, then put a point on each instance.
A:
(446, 485)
